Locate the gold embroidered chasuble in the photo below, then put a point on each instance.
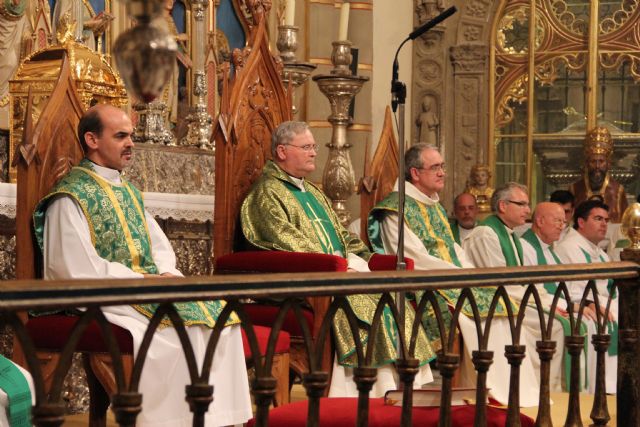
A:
(119, 233)
(273, 219)
(430, 224)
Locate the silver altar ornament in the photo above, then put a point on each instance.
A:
(340, 87)
(293, 71)
(145, 55)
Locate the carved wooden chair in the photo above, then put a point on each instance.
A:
(47, 152)
(253, 104)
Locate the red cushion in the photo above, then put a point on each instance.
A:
(52, 332)
(265, 315)
(379, 262)
(283, 343)
(278, 262)
(341, 412)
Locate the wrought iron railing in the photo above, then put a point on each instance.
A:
(18, 296)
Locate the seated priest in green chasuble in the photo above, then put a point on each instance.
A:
(430, 242)
(286, 212)
(93, 225)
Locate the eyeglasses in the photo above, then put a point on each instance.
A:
(306, 147)
(521, 204)
(435, 168)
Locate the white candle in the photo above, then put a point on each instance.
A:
(344, 21)
(290, 12)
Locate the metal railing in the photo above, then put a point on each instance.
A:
(18, 296)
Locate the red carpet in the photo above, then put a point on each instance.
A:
(341, 412)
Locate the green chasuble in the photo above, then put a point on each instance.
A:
(431, 226)
(277, 215)
(119, 233)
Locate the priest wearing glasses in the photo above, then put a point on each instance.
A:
(286, 212)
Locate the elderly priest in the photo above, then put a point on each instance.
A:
(286, 212)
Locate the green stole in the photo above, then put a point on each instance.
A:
(455, 231)
(13, 382)
(612, 327)
(531, 237)
(511, 258)
(322, 226)
(119, 233)
(551, 288)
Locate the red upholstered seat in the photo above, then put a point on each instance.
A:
(380, 262)
(264, 315)
(341, 412)
(51, 332)
(262, 336)
(278, 262)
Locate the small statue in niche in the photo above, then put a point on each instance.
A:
(428, 122)
(478, 186)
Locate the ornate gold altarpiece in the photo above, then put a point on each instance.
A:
(92, 75)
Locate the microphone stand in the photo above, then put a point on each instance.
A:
(398, 98)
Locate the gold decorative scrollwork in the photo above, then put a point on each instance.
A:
(616, 19)
(547, 72)
(614, 60)
(517, 92)
(513, 31)
(577, 24)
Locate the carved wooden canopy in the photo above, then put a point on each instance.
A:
(253, 103)
(379, 176)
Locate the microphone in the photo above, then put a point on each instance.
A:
(430, 24)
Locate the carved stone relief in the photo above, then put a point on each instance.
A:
(469, 79)
(178, 170)
(429, 61)
(192, 244)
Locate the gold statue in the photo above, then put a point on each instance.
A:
(478, 186)
(596, 181)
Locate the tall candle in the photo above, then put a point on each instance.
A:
(344, 21)
(290, 12)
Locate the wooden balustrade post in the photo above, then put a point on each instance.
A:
(199, 397)
(315, 383)
(126, 407)
(447, 364)
(515, 355)
(575, 346)
(482, 360)
(364, 377)
(48, 414)
(264, 389)
(407, 370)
(600, 412)
(546, 350)
(628, 389)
